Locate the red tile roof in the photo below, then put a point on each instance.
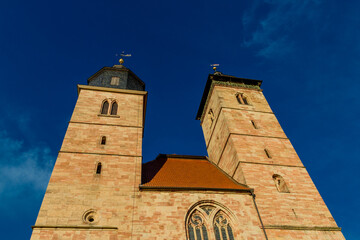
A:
(188, 172)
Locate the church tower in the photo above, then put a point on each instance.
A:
(244, 139)
(92, 189)
(251, 186)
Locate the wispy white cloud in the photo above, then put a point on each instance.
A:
(22, 168)
(270, 32)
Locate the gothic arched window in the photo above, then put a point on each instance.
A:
(280, 183)
(207, 220)
(105, 107)
(196, 227)
(222, 228)
(114, 108)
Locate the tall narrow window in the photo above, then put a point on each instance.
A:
(105, 107)
(267, 152)
(280, 183)
(242, 99)
(114, 108)
(103, 140)
(197, 229)
(98, 168)
(211, 116)
(254, 124)
(222, 228)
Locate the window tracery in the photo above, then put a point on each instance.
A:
(197, 228)
(209, 221)
(222, 228)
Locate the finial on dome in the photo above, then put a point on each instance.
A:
(121, 60)
(214, 66)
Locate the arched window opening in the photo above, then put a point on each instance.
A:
(103, 140)
(280, 183)
(209, 220)
(242, 99)
(211, 117)
(196, 227)
(105, 107)
(267, 152)
(98, 168)
(114, 108)
(222, 228)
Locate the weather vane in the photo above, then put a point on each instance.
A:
(214, 66)
(123, 54)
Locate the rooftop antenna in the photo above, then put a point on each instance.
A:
(123, 54)
(214, 66)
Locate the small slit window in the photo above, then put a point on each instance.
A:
(280, 183)
(115, 81)
(103, 140)
(114, 108)
(254, 124)
(267, 152)
(98, 168)
(105, 107)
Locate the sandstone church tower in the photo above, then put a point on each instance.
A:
(244, 139)
(99, 163)
(99, 188)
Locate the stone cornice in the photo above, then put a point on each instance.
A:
(75, 227)
(157, 188)
(302, 228)
(105, 89)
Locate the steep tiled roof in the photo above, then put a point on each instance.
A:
(186, 172)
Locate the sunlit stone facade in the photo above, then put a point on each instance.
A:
(251, 186)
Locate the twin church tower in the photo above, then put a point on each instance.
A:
(251, 186)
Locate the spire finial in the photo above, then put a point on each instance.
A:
(121, 60)
(214, 66)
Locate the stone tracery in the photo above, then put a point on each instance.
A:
(209, 222)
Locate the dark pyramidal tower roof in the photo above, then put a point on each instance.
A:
(117, 76)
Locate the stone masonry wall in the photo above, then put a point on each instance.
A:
(237, 147)
(161, 215)
(74, 186)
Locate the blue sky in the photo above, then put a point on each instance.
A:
(306, 52)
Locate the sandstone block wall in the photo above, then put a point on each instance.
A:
(237, 147)
(76, 188)
(160, 215)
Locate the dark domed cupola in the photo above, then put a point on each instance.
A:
(117, 76)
